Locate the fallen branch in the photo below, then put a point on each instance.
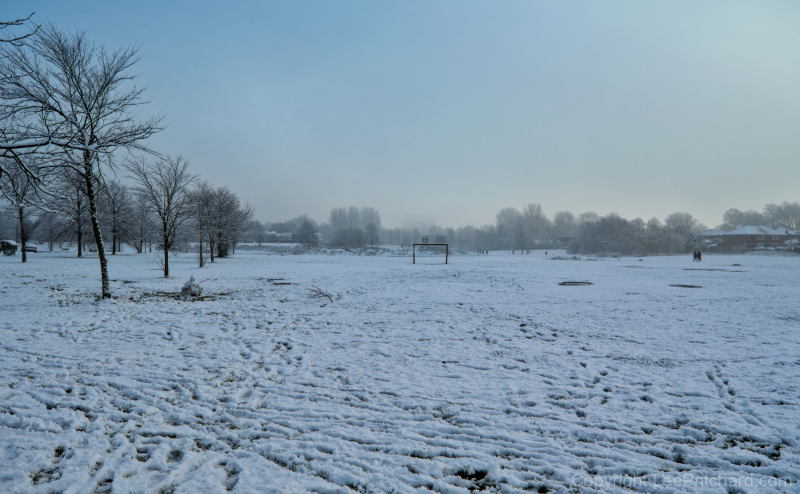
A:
(316, 292)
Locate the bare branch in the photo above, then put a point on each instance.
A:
(318, 293)
(17, 40)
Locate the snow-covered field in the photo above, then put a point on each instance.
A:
(484, 374)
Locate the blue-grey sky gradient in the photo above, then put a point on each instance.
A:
(453, 110)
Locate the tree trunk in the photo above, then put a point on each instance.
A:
(80, 239)
(22, 233)
(98, 236)
(166, 255)
(202, 261)
(113, 244)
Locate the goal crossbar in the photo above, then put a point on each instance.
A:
(414, 251)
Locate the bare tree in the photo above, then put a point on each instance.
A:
(507, 220)
(563, 223)
(654, 236)
(229, 219)
(338, 219)
(586, 218)
(307, 234)
(54, 228)
(202, 209)
(369, 215)
(17, 188)
(165, 184)
(786, 215)
(534, 220)
(71, 100)
(371, 235)
(141, 222)
(734, 218)
(116, 210)
(224, 208)
(71, 202)
(243, 216)
(354, 217)
(679, 225)
(521, 239)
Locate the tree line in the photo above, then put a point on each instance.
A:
(522, 230)
(69, 113)
(346, 227)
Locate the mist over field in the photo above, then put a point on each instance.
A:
(444, 113)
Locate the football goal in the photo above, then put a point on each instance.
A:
(426, 247)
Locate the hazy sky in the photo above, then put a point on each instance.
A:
(453, 110)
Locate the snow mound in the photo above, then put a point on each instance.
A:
(191, 289)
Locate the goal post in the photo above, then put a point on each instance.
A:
(425, 245)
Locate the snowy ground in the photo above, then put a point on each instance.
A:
(484, 374)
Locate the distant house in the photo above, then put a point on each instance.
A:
(277, 238)
(792, 241)
(710, 239)
(284, 238)
(751, 237)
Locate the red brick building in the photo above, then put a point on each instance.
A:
(754, 236)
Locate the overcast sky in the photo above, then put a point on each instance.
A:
(450, 111)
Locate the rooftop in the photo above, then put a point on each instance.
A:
(757, 230)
